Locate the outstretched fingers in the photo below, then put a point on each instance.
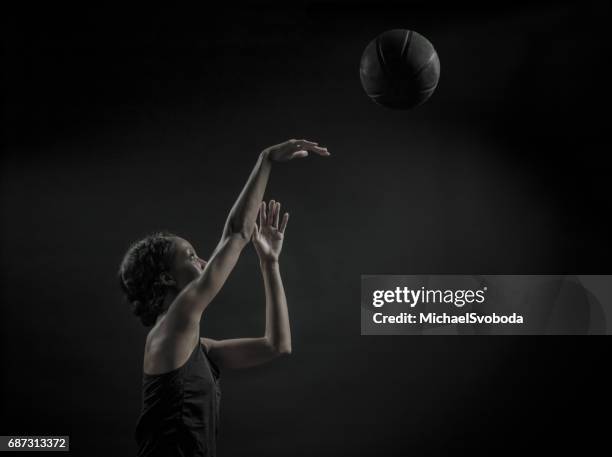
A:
(271, 210)
(276, 214)
(263, 217)
(283, 225)
(319, 150)
(304, 146)
(269, 215)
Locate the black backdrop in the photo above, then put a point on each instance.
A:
(117, 123)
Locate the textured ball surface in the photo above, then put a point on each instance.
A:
(399, 69)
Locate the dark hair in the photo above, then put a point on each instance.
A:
(139, 275)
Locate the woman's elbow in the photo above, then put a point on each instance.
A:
(278, 348)
(284, 349)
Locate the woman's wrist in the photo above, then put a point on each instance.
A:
(265, 156)
(268, 262)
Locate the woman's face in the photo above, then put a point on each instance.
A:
(186, 265)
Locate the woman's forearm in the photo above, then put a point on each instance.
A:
(278, 331)
(242, 216)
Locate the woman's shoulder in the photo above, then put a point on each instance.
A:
(166, 352)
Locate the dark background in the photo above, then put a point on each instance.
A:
(117, 123)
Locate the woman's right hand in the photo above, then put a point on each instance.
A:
(293, 149)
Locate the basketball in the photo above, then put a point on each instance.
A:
(399, 69)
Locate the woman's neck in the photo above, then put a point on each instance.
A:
(168, 299)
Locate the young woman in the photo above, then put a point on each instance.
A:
(169, 287)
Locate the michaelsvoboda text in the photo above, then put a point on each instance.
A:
(457, 298)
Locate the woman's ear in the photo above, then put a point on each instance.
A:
(166, 279)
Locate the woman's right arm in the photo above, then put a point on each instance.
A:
(193, 300)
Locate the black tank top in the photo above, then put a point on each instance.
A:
(180, 409)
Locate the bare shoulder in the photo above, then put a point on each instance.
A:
(166, 351)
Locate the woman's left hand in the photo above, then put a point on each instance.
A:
(268, 236)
